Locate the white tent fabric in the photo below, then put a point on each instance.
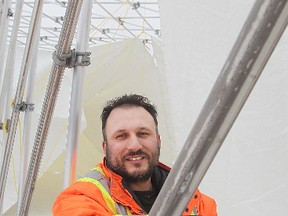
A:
(248, 176)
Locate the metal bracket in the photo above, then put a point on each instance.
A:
(5, 126)
(136, 6)
(71, 59)
(145, 41)
(105, 31)
(23, 107)
(10, 13)
(120, 20)
(157, 32)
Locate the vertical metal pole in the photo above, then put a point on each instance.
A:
(35, 23)
(7, 85)
(6, 91)
(256, 42)
(63, 48)
(3, 34)
(4, 20)
(74, 121)
(27, 127)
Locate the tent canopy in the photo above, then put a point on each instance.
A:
(248, 175)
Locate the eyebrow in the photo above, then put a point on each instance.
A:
(139, 128)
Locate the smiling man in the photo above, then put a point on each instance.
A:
(130, 177)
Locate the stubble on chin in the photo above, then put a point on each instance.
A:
(137, 175)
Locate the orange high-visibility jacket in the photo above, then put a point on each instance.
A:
(102, 193)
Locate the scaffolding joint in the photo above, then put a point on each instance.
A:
(5, 125)
(157, 32)
(72, 59)
(135, 6)
(10, 13)
(23, 106)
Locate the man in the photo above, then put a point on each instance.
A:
(130, 177)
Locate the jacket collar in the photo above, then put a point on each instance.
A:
(121, 192)
(117, 190)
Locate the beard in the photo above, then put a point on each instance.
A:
(137, 175)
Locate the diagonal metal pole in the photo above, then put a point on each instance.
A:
(56, 75)
(29, 48)
(258, 37)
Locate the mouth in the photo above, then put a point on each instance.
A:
(135, 158)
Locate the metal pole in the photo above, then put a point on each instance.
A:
(74, 121)
(35, 23)
(256, 42)
(3, 34)
(63, 48)
(27, 127)
(7, 85)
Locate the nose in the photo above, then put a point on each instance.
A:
(134, 143)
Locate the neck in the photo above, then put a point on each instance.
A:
(142, 186)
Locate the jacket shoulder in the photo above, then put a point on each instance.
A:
(81, 197)
(201, 204)
(208, 205)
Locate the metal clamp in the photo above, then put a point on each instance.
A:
(10, 13)
(135, 6)
(71, 59)
(23, 107)
(5, 126)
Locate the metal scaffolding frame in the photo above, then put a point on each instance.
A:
(6, 88)
(76, 101)
(18, 103)
(113, 20)
(19, 34)
(56, 75)
(256, 42)
(4, 20)
(25, 154)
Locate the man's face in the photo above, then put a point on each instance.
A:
(133, 144)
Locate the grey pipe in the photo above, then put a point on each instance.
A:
(75, 111)
(56, 75)
(6, 92)
(25, 66)
(259, 36)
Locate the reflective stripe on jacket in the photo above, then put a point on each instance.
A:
(96, 177)
(101, 193)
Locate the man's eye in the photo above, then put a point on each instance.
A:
(121, 136)
(143, 134)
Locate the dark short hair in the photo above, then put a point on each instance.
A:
(130, 100)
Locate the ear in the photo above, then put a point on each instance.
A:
(104, 146)
(159, 140)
